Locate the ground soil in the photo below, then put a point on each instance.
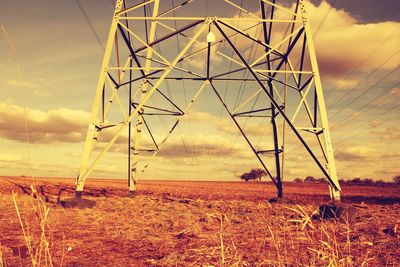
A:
(174, 223)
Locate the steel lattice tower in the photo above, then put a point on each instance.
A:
(283, 85)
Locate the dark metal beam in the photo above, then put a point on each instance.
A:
(267, 39)
(191, 25)
(252, 111)
(250, 37)
(298, 135)
(148, 129)
(160, 109)
(242, 132)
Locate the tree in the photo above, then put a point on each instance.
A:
(254, 174)
(310, 179)
(245, 176)
(258, 173)
(355, 180)
(396, 180)
(298, 180)
(368, 181)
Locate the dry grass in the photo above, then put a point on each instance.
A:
(199, 224)
(36, 248)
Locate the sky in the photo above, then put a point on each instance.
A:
(50, 61)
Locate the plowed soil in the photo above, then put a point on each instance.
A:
(173, 223)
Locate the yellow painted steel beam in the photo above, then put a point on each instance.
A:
(177, 68)
(250, 36)
(92, 131)
(153, 51)
(307, 107)
(147, 68)
(242, 9)
(198, 92)
(202, 18)
(175, 8)
(115, 92)
(277, 92)
(283, 71)
(129, 9)
(321, 104)
(275, 48)
(173, 30)
(287, 10)
(83, 177)
(247, 100)
(302, 100)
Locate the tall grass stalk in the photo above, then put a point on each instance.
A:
(38, 250)
(2, 261)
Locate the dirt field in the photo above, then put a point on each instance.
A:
(195, 224)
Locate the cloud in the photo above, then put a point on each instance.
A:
(342, 84)
(33, 85)
(9, 157)
(52, 126)
(343, 42)
(391, 133)
(354, 153)
(199, 60)
(23, 84)
(395, 91)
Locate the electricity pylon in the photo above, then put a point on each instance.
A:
(270, 52)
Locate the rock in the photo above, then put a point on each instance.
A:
(20, 251)
(393, 231)
(338, 211)
(131, 194)
(185, 201)
(280, 200)
(186, 233)
(78, 202)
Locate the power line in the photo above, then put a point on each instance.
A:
(369, 89)
(397, 115)
(183, 84)
(324, 19)
(364, 60)
(354, 115)
(82, 9)
(365, 78)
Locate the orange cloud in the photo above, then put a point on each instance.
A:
(354, 153)
(56, 125)
(343, 42)
(391, 133)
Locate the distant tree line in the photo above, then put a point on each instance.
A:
(257, 174)
(355, 180)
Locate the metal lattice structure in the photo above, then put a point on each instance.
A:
(280, 77)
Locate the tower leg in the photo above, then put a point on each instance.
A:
(93, 130)
(133, 175)
(267, 36)
(331, 166)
